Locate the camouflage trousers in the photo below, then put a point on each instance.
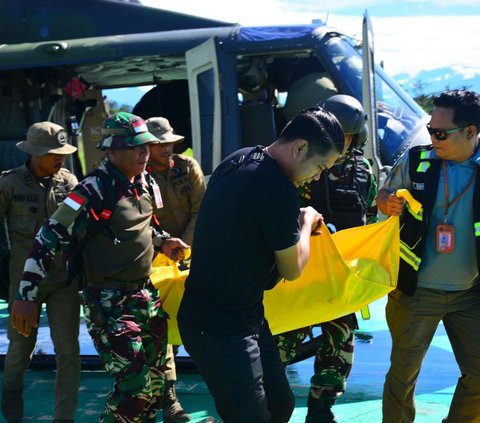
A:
(333, 356)
(129, 332)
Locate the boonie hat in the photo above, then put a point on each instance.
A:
(124, 130)
(160, 127)
(46, 138)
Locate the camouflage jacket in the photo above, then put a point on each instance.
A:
(124, 252)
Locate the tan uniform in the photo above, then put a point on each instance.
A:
(25, 203)
(182, 188)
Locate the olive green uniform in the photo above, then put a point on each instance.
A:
(25, 203)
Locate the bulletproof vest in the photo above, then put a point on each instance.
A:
(343, 201)
(424, 174)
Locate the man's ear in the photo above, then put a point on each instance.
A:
(300, 148)
(471, 132)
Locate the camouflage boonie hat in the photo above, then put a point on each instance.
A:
(124, 130)
(160, 127)
(46, 138)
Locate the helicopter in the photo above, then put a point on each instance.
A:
(222, 85)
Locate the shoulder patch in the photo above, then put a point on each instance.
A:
(75, 201)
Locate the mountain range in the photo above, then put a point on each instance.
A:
(437, 80)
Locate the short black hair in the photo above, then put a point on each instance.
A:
(465, 105)
(320, 128)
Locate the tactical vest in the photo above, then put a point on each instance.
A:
(343, 202)
(424, 174)
(100, 223)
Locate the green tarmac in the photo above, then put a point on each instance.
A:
(360, 404)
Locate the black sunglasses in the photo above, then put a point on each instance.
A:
(442, 134)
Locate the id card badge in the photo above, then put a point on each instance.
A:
(445, 238)
(157, 197)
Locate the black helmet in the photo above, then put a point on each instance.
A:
(349, 112)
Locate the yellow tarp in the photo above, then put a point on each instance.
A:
(346, 271)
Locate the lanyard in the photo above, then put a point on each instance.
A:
(445, 184)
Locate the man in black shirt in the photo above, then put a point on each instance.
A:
(250, 233)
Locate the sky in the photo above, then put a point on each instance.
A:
(409, 35)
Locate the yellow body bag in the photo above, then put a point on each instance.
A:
(346, 271)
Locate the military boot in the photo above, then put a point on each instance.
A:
(172, 410)
(12, 405)
(320, 410)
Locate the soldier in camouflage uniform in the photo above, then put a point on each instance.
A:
(30, 194)
(182, 185)
(345, 196)
(122, 309)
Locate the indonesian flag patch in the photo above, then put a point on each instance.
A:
(74, 201)
(139, 126)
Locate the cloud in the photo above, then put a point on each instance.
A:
(405, 44)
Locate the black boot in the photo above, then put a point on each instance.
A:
(12, 405)
(172, 410)
(320, 410)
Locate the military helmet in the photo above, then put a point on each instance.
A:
(124, 130)
(351, 115)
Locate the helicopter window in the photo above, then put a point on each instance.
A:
(206, 94)
(397, 114)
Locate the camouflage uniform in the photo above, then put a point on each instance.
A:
(334, 354)
(26, 202)
(122, 309)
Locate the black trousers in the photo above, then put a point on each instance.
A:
(243, 373)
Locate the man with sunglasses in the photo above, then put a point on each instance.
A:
(440, 258)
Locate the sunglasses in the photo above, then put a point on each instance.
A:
(442, 134)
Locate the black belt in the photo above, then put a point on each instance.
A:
(123, 286)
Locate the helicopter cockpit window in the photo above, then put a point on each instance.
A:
(397, 114)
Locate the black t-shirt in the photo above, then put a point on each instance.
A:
(250, 209)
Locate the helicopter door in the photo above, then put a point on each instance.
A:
(205, 104)
(372, 148)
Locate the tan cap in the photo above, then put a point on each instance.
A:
(160, 127)
(46, 138)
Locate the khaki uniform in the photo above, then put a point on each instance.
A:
(182, 188)
(25, 203)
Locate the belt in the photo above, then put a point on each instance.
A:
(123, 286)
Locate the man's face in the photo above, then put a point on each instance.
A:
(130, 161)
(310, 168)
(459, 144)
(161, 154)
(50, 164)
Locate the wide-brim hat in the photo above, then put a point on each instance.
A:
(46, 138)
(161, 128)
(125, 130)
